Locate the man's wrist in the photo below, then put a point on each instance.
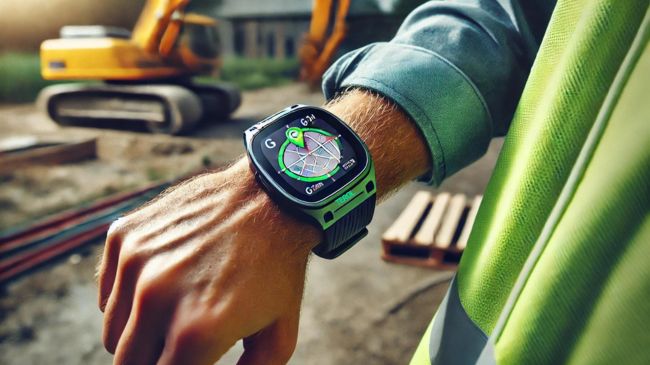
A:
(266, 211)
(399, 152)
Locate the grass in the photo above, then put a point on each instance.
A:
(251, 74)
(154, 174)
(20, 78)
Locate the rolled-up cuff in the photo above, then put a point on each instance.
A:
(440, 98)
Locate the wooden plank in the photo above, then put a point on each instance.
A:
(450, 221)
(431, 223)
(469, 222)
(403, 226)
(17, 143)
(49, 154)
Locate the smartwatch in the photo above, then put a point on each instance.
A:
(314, 166)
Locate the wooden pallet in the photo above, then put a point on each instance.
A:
(431, 231)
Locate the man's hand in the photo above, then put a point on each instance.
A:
(214, 260)
(209, 263)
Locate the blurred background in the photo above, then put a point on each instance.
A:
(260, 40)
(357, 309)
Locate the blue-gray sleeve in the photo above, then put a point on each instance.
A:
(456, 68)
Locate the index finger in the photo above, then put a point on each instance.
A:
(108, 266)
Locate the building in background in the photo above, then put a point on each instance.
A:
(274, 29)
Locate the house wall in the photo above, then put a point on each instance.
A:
(262, 38)
(281, 38)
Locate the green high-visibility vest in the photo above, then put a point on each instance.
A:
(557, 268)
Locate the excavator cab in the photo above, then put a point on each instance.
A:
(144, 76)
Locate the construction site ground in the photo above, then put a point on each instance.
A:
(357, 309)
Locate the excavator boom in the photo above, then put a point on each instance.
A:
(159, 24)
(326, 32)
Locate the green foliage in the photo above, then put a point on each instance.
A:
(154, 174)
(251, 74)
(20, 77)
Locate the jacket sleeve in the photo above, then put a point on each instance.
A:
(456, 68)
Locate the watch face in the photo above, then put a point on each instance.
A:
(309, 153)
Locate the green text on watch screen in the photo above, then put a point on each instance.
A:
(309, 155)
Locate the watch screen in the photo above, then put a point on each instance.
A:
(310, 154)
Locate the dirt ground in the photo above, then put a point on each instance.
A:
(357, 309)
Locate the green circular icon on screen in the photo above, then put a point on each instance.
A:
(296, 136)
(310, 154)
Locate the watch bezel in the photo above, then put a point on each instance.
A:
(281, 117)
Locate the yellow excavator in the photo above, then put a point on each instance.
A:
(146, 76)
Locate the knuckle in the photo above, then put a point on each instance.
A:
(198, 328)
(117, 229)
(149, 293)
(198, 333)
(188, 335)
(131, 260)
(116, 235)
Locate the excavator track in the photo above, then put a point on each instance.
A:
(159, 108)
(219, 100)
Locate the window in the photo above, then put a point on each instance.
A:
(289, 47)
(239, 39)
(270, 45)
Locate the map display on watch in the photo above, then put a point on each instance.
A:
(309, 155)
